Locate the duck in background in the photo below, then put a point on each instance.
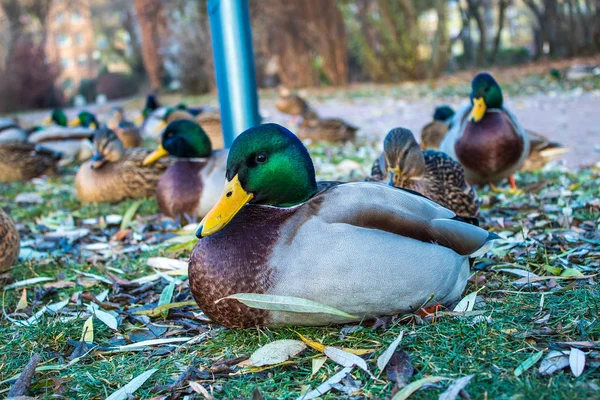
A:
(150, 118)
(192, 185)
(115, 173)
(290, 103)
(209, 120)
(22, 161)
(432, 173)
(9, 242)
(328, 129)
(127, 132)
(10, 131)
(363, 247)
(433, 133)
(85, 119)
(57, 117)
(485, 137)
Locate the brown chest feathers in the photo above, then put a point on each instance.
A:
(235, 260)
(9, 242)
(489, 146)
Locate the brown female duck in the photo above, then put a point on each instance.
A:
(192, 185)
(432, 173)
(115, 173)
(485, 137)
(127, 132)
(292, 104)
(328, 129)
(433, 133)
(24, 161)
(9, 242)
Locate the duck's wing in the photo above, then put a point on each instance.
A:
(377, 206)
(56, 133)
(541, 144)
(379, 169)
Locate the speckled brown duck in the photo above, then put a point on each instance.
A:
(127, 132)
(542, 151)
(276, 231)
(9, 242)
(24, 161)
(432, 173)
(485, 137)
(325, 129)
(290, 103)
(193, 184)
(115, 173)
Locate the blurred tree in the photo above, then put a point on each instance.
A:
(502, 6)
(121, 36)
(305, 37)
(475, 12)
(152, 20)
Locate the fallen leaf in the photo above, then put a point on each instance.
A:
(87, 333)
(167, 263)
(59, 285)
(409, 389)
(129, 214)
(384, 358)
(317, 363)
(577, 362)
(156, 311)
(167, 294)
(22, 304)
(467, 303)
(276, 352)
(400, 369)
(28, 282)
(571, 272)
(147, 343)
(106, 318)
(284, 303)
(94, 276)
(198, 388)
(321, 347)
(131, 387)
(530, 362)
(346, 359)
(327, 385)
(554, 361)
(455, 387)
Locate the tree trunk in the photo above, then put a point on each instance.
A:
(539, 31)
(475, 12)
(466, 35)
(504, 4)
(441, 45)
(150, 16)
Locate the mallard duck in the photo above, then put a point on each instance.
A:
(114, 173)
(127, 132)
(192, 185)
(9, 242)
(74, 144)
(85, 119)
(433, 133)
(364, 247)
(151, 105)
(289, 103)
(542, 150)
(432, 173)
(24, 161)
(485, 137)
(11, 132)
(329, 129)
(58, 117)
(209, 120)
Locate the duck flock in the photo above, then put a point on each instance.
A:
(268, 227)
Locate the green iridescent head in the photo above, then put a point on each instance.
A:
(485, 94)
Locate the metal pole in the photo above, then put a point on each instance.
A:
(234, 65)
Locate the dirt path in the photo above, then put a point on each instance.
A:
(571, 118)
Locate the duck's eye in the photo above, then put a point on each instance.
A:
(261, 158)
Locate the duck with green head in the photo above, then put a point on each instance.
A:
(365, 248)
(58, 117)
(432, 173)
(85, 119)
(486, 138)
(433, 133)
(151, 105)
(210, 120)
(192, 185)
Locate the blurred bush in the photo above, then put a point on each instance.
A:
(87, 88)
(28, 79)
(116, 85)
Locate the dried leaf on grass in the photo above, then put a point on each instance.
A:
(28, 282)
(198, 388)
(321, 347)
(131, 387)
(23, 383)
(577, 362)
(22, 304)
(399, 369)
(327, 385)
(285, 303)
(454, 389)
(554, 361)
(384, 358)
(317, 363)
(129, 214)
(87, 334)
(276, 352)
(412, 387)
(147, 343)
(346, 359)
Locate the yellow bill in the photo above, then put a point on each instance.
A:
(479, 109)
(93, 126)
(47, 121)
(75, 122)
(139, 120)
(234, 197)
(156, 155)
